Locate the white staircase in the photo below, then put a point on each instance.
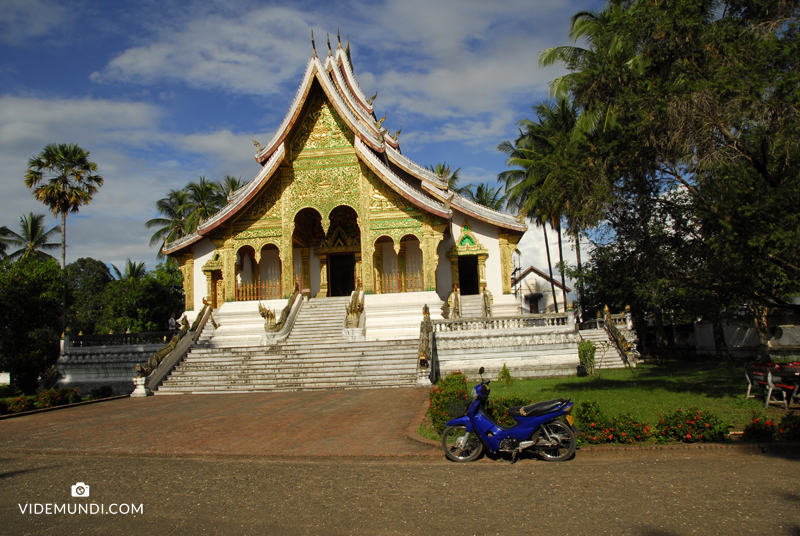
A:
(315, 356)
(393, 317)
(472, 306)
(611, 358)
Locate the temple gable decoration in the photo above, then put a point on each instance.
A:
(335, 195)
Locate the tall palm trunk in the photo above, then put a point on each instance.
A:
(580, 268)
(561, 263)
(550, 267)
(64, 271)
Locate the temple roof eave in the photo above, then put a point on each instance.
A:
(412, 168)
(352, 100)
(316, 69)
(243, 196)
(397, 184)
(476, 210)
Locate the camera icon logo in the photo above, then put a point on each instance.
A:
(80, 490)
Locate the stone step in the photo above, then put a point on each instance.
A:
(247, 388)
(215, 353)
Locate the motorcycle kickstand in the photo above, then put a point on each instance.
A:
(514, 457)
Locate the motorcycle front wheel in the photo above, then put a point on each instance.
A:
(459, 448)
(560, 431)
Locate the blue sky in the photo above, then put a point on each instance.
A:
(161, 92)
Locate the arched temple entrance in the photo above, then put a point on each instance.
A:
(340, 253)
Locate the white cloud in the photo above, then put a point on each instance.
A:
(253, 53)
(25, 19)
(139, 160)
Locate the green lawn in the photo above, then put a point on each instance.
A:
(659, 387)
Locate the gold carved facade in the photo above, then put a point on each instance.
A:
(321, 172)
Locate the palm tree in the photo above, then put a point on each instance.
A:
(485, 195)
(202, 203)
(611, 49)
(63, 178)
(541, 151)
(227, 186)
(451, 177)
(32, 239)
(173, 223)
(131, 271)
(4, 233)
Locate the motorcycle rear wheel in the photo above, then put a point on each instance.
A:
(471, 450)
(560, 430)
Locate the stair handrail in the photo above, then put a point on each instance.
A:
(629, 352)
(169, 360)
(355, 318)
(486, 307)
(454, 304)
(428, 359)
(287, 318)
(355, 308)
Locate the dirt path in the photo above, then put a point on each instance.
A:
(641, 493)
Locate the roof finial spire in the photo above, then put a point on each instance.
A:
(347, 52)
(372, 98)
(338, 38)
(330, 52)
(313, 46)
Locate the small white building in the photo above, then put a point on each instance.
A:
(532, 287)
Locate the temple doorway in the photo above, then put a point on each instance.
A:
(343, 279)
(468, 279)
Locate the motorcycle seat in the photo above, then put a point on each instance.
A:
(538, 409)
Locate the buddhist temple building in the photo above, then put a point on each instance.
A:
(335, 205)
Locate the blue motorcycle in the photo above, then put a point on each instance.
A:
(546, 428)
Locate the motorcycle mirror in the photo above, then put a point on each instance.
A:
(481, 371)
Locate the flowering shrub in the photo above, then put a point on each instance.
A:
(451, 388)
(763, 430)
(21, 403)
(760, 430)
(498, 408)
(690, 426)
(57, 397)
(596, 427)
(789, 429)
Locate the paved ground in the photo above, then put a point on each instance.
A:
(657, 493)
(339, 463)
(370, 422)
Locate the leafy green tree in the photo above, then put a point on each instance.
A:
(691, 156)
(86, 282)
(142, 304)
(32, 240)
(30, 291)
